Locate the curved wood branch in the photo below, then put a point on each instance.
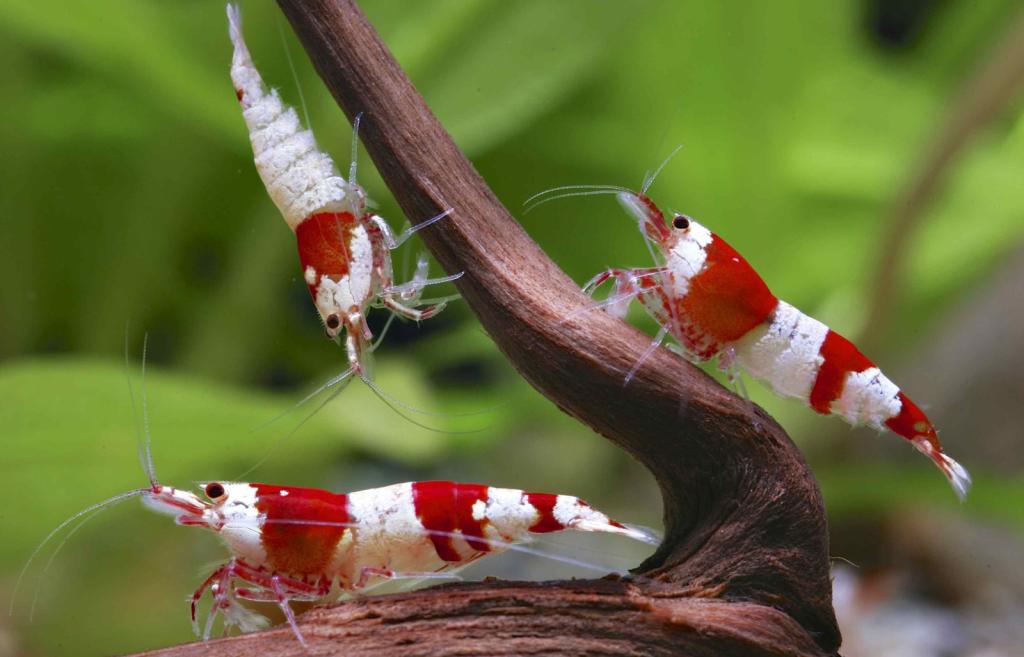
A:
(744, 566)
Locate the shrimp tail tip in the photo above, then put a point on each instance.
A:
(234, 20)
(635, 532)
(958, 476)
(235, 31)
(642, 534)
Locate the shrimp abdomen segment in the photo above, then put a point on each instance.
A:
(490, 518)
(299, 177)
(784, 351)
(801, 357)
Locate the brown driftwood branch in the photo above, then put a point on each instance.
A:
(744, 566)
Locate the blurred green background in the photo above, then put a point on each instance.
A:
(128, 196)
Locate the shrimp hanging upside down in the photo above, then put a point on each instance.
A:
(713, 303)
(344, 249)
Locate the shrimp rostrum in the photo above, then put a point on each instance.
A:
(708, 297)
(344, 249)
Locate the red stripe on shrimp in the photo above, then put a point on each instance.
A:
(727, 298)
(545, 505)
(840, 357)
(444, 507)
(323, 241)
(293, 547)
(913, 424)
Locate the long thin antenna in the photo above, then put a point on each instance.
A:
(147, 463)
(291, 67)
(344, 379)
(409, 407)
(394, 404)
(355, 148)
(142, 446)
(649, 178)
(535, 201)
(564, 188)
(86, 511)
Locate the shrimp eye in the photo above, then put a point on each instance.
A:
(333, 321)
(681, 222)
(214, 490)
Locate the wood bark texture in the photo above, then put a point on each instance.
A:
(744, 566)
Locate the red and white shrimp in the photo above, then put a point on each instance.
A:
(289, 543)
(344, 249)
(713, 303)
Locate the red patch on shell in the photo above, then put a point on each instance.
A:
(840, 358)
(912, 423)
(446, 506)
(727, 298)
(295, 548)
(323, 241)
(545, 505)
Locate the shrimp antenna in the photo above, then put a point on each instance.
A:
(394, 405)
(87, 511)
(291, 67)
(147, 444)
(344, 379)
(355, 148)
(649, 178)
(536, 200)
(142, 442)
(389, 399)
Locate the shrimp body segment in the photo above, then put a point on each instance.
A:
(292, 543)
(344, 250)
(709, 298)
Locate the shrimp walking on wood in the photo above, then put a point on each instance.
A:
(290, 543)
(344, 249)
(711, 300)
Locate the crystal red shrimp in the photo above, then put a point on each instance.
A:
(709, 298)
(291, 543)
(344, 249)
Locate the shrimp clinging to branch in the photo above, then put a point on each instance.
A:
(708, 297)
